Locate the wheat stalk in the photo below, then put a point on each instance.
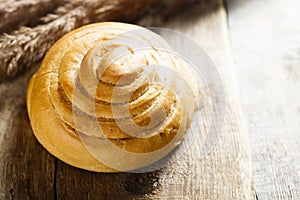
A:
(27, 45)
(12, 12)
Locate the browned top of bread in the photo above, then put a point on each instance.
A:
(94, 89)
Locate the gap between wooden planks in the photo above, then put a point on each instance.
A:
(28, 171)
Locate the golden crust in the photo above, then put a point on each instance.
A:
(68, 101)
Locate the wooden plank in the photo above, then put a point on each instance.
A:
(27, 170)
(225, 173)
(265, 39)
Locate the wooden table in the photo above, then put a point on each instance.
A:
(264, 77)
(265, 40)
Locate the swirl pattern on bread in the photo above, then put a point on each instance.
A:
(96, 83)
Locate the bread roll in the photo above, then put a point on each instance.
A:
(111, 97)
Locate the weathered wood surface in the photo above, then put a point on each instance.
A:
(265, 37)
(28, 171)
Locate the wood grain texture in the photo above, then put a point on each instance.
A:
(28, 171)
(225, 173)
(265, 38)
(26, 167)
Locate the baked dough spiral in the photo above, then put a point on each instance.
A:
(97, 84)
